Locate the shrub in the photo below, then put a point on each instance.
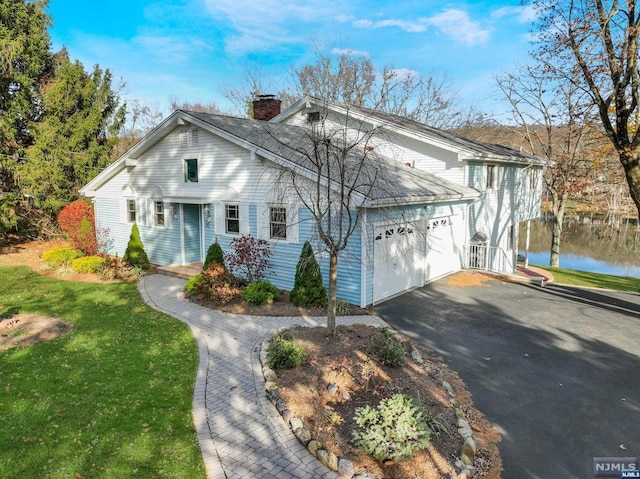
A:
(386, 348)
(88, 264)
(77, 221)
(192, 284)
(135, 254)
(117, 268)
(394, 430)
(59, 256)
(285, 353)
(257, 294)
(214, 256)
(308, 289)
(216, 284)
(249, 257)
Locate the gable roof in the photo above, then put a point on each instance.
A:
(285, 145)
(469, 149)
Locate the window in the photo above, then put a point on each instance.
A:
(492, 177)
(159, 213)
(278, 222)
(131, 211)
(188, 138)
(191, 170)
(313, 116)
(232, 219)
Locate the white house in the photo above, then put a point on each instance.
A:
(449, 202)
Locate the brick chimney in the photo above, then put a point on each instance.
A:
(266, 107)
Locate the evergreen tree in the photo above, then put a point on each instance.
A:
(74, 137)
(135, 254)
(214, 256)
(308, 289)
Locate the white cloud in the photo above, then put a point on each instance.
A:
(457, 25)
(411, 27)
(349, 52)
(523, 14)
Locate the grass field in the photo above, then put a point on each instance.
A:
(596, 280)
(110, 399)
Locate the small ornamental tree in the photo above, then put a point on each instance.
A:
(77, 221)
(249, 257)
(308, 289)
(214, 256)
(135, 254)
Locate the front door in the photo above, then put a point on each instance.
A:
(191, 226)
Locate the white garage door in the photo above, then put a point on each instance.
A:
(443, 256)
(398, 260)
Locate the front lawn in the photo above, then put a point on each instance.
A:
(597, 280)
(111, 398)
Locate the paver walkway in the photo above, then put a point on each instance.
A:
(240, 432)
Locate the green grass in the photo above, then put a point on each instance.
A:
(110, 399)
(596, 280)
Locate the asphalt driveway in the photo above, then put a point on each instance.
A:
(556, 369)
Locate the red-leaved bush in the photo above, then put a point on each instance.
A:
(249, 257)
(81, 233)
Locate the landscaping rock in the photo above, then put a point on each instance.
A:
(345, 468)
(314, 446)
(281, 405)
(270, 375)
(344, 395)
(295, 423)
(270, 386)
(365, 476)
(274, 395)
(448, 388)
(468, 451)
(416, 356)
(332, 389)
(303, 435)
(328, 458)
(287, 415)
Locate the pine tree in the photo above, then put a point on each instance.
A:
(214, 256)
(308, 289)
(135, 254)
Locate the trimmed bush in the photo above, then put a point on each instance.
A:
(214, 256)
(249, 257)
(192, 284)
(308, 289)
(395, 429)
(59, 256)
(284, 353)
(257, 294)
(386, 348)
(77, 221)
(216, 284)
(135, 254)
(88, 264)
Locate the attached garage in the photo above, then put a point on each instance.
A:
(398, 260)
(443, 254)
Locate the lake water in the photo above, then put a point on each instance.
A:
(588, 244)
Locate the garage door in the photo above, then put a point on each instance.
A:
(443, 256)
(398, 260)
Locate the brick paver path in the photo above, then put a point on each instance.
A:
(241, 434)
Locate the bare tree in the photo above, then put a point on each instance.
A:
(337, 172)
(599, 39)
(140, 119)
(211, 107)
(553, 120)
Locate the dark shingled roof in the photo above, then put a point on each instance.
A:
(479, 149)
(394, 183)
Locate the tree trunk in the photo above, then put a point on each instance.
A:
(630, 160)
(558, 204)
(333, 289)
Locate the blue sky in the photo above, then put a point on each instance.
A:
(191, 50)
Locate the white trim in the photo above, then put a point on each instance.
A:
(364, 261)
(183, 257)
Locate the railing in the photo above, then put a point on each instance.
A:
(488, 258)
